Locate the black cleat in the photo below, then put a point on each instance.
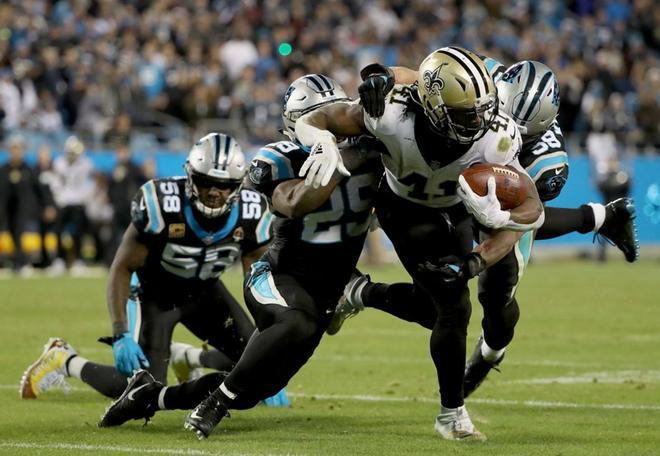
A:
(206, 416)
(619, 227)
(477, 369)
(138, 401)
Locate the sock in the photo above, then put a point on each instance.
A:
(599, 215)
(489, 354)
(402, 300)
(560, 221)
(105, 379)
(188, 395)
(74, 366)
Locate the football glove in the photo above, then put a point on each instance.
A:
(378, 80)
(452, 268)
(278, 400)
(486, 209)
(324, 159)
(128, 354)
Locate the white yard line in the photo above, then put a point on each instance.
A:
(428, 400)
(94, 448)
(622, 376)
(507, 402)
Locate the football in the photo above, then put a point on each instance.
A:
(510, 189)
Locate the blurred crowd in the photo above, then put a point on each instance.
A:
(63, 214)
(154, 72)
(149, 75)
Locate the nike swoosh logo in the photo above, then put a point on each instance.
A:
(132, 392)
(558, 171)
(195, 416)
(302, 98)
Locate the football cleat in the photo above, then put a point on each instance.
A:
(48, 371)
(350, 303)
(180, 363)
(138, 401)
(619, 227)
(206, 416)
(455, 424)
(477, 368)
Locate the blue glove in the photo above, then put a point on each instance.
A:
(278, 400)
(128, 354)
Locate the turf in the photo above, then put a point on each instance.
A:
(581, 377)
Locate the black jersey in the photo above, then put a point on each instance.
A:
(187, 250)
(320, 249)
(546, 161)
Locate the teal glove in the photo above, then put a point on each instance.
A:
(278, 400)
(128, 354)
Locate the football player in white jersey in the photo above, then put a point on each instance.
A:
(433, 130)
(529, 92)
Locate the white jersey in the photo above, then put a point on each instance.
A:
(422, 178)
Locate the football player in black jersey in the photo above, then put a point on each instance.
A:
(185, 232)
(292, 291)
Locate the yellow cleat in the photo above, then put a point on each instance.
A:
(48, 371)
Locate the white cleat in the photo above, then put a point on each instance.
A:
(350, 303)
(180, 364)
(48, 371)
(455, 424)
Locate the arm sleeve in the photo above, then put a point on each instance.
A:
(146, 212)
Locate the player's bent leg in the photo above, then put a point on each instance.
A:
(138, 401)
(479, 365)
(48, 371)
(497, 286)
(288, 331)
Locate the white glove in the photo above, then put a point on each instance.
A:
(486, 209)
(321, 164)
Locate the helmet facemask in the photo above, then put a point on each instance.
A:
(457, 94)
(196, 181)
(215, 162)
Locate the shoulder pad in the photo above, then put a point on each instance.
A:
(396, 106)
(502, 142)
(276, 161)
(256, 218)
(146, 211)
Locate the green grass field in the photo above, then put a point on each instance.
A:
(582, 377)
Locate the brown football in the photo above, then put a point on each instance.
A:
(511, 191)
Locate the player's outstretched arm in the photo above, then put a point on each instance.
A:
(130, 255)
(294, 199)
(319, 130)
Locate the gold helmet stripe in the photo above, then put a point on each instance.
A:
(480, 85)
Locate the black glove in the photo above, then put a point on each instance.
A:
(378, 81)
(451, 268)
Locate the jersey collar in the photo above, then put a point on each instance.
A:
(210, 237)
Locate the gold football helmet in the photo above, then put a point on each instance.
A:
(457, 94)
